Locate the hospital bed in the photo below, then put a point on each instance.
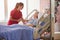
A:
(16, 32)
(23, 32)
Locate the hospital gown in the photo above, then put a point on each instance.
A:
(32, 21)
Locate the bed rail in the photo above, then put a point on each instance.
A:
(31, 13)
(45, 23)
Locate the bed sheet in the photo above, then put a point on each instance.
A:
(16, 32)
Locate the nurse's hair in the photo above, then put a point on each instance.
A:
(19, 4)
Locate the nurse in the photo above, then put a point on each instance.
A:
(16, 14)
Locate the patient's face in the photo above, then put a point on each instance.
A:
(36, 15)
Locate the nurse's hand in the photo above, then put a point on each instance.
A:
(19, 20)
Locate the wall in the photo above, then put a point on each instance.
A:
(44, 4)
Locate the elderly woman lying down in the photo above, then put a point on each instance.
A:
(33, 20)
(32, 23)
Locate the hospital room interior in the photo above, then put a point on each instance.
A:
(29, 20)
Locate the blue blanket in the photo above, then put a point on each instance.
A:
(16, 32)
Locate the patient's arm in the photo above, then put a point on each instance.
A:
(30, 25)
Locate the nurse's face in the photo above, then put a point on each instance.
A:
(20, 7)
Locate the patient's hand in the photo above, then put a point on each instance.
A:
(30, 25)
(26, 21)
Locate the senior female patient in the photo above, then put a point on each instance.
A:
(33, 20)
(16, 14)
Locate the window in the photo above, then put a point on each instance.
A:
(2, 13)
(28, 6)
(35, 4)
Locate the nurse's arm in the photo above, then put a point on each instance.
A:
(14, 19)
(23, 20)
